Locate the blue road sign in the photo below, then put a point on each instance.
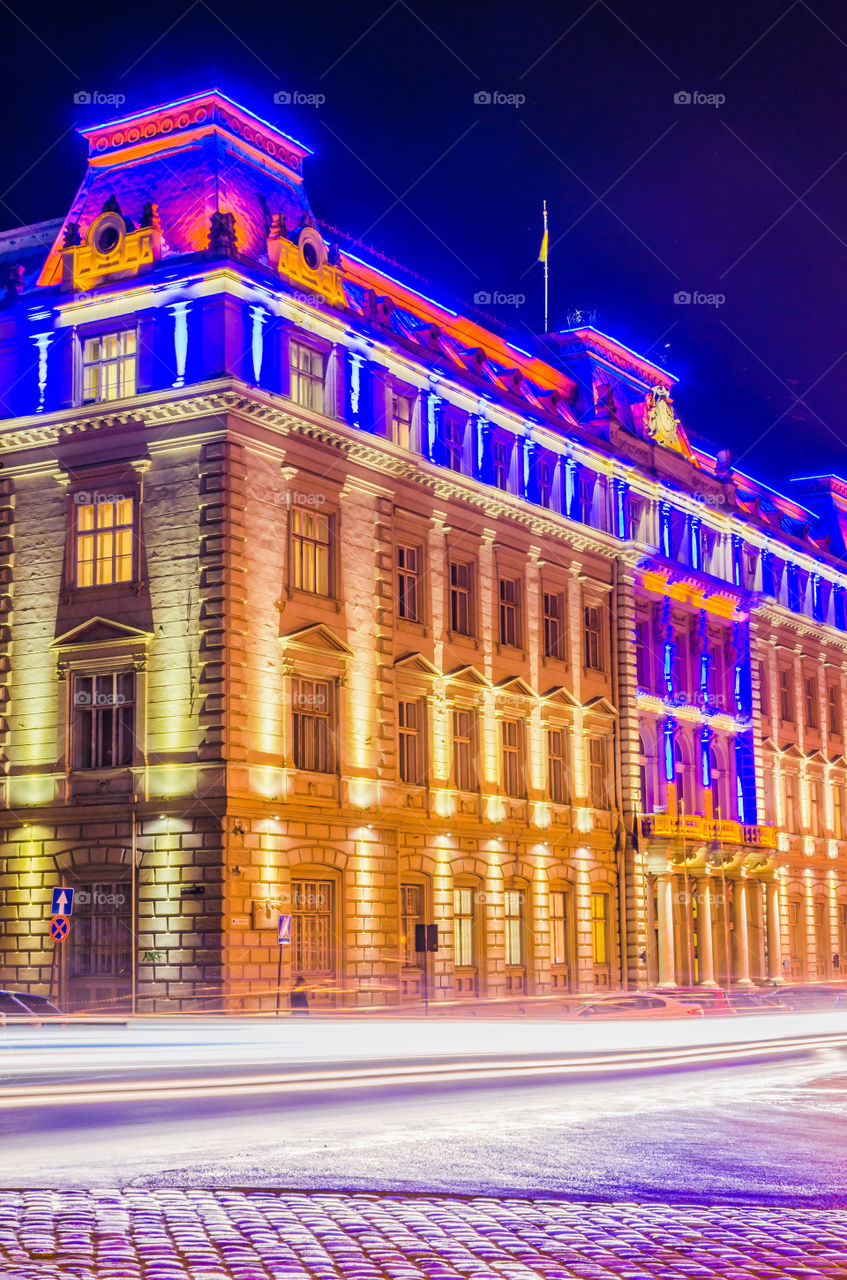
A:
(284, 930)
(60, 927)
(63, 902)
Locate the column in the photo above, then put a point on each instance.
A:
(705, 950)
(774, 931)
(741, 957)
(667, 968)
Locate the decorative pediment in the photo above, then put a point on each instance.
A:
(416, 664)
(468, 675)
(817, 757)
(317, 638)
(563, 696)
(768, 744)
(101, 631)
(304, 261)
(599, 707)
(793, 752)
(112, 248)
(516, 686)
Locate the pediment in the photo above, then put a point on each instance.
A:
(560, 694)
(793, 752)
(468, 675)
(600, 707)
(817, 757)
(318, 638)
(101, 631)
(515, 685)
(416, 664)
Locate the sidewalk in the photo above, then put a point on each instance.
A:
(231, 1235)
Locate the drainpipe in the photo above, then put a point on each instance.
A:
(620, 835)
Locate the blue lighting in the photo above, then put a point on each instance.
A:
(400, 285)
(670, 762)
(520, 351)
(42, 342)
(179, 311)
(259, 317)
(666, 374)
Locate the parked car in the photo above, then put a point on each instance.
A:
(756, 1001)
(637, 1005)
(711, 1000)
(806, 996)
(20, 1005)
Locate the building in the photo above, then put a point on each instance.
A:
(321, 600)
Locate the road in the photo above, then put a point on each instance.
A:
(774, 1131)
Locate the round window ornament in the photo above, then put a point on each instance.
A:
(312, 248)
(107, 234)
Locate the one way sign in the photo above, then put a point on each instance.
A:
(63, 902)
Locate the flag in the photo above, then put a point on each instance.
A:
(542, 252)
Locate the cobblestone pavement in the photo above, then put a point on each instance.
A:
(202, 1235)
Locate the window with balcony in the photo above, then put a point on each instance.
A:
(510, 618)
(553, 604)
(461, 598)
(410, 721)
(511, 754)
(594, 657)
(109, 365)
(409, 583)
(103, 720)
(313, 728)
(104, 538)
(311, 551)
(308, 376)
(558, 766)
(464, 749)
(644, 669)
(599, 788)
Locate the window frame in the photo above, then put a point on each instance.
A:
(404, 573)
(85, 709)
(298, 376)
(509, 612)
(327, 718)
(104, 495)
(512, 757)
(412, 734)
(298, 541)
(556, 652)
(119, 361)
(469, 590)
(593, 638)
(470, 741)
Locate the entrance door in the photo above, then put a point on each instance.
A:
(98, 955)
(313, 938)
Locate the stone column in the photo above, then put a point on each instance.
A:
(774, 930)
(667, 967)
(741, 956)
(705, 951)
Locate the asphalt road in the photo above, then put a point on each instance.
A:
(773, 1132)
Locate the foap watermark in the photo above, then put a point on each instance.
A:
(85, 699)
(694, 98)
(496, 298)
(299, 498)
(496, 98)
(99, 898)
(83, 498)
(712, 499)
(296, 98)
(94, 98)
(696, 298)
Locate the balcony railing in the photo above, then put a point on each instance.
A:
(702, 830)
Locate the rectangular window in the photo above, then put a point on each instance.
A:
(312, 931)
(559, 924)
(402, 411)
(103, 721)
(786, 696)
(311, 701)
(585, 497)
(634, 511)
(558, 766)
(464, 932)
(554, 627)
(310, 551)
(102, 940)
(510, 622)
(810, 701)
(816, 806)
(308, 374)
(513, 920)
(511, 745)
(600, 928)
(593, 638)
(792, 812)
(764, 690)
(412, 914)
(109, 367)
(464, 750)
(545, 484)
(838, 810)
(643, 655)
(454, 443)
(461, 598)
(822, 947)
(833, 710)
(410, 730)
(408, 583)
(500, 458)
(795, 931)
(104, 531)
(598, 769)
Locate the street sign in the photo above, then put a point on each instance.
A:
(60, 927)
(284, 934)
(63, 902)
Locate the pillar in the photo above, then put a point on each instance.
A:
(774, 931)
(741, 957)
(705, 951)
(667, 966)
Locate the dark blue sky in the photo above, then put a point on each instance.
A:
(648, 197)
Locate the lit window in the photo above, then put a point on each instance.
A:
(816, 806)
(103, 539)
(598, 765)
(792, 808)
(308, 371)
(454, 444)
(464, 750)
(402, 409)
(786, 696)
(838, 810)
(593, 638)
(103, 721)
(510, 630)
(464, 928)
(109, 367)
(514, 926)
(461, 598)
(585, 497)
(408, 583)
(558, 777)
(313, 931)
(511, 746)
(554, 630)
(410, 725)
(312, 723)
(600, 928)
(310, 551)
(559, 923)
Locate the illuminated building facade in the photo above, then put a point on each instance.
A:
(320, 599)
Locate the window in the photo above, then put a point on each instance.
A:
(402, 411)
(792, 809)
(410, 730)
(464, 930)
(810, 701)
(510, 628)
(634, 513)
(816, 806)
(558, 774)
(833, 710)
(786, 696)
(838, 810)
(310, 551)
(554, 629)
(795, 930)
(764, 690)
(408, 583)
(600, 928)
(103, 721)
(454, 443)
(511, 749)
(513, 919)
(312, 714)
(593, 638)
(770, 795)
(545, 484)
(312, 932)
(822, 947)
(585, 497)
(101, 941)
(104, 527)
(109, 367)
(559, 925)
(308, 371)
(500, 459)
(464, 750)
(598, 770)
(411, 914)
(461, 598)
(643, 655)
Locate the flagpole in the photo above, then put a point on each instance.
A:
(546, 265)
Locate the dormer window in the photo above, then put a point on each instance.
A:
(109, 367)
(103, 534)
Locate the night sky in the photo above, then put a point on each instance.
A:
(647, 197)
